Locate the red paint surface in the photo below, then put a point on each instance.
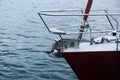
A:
(87, 10)
(100, 65)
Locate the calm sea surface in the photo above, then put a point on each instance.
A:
(24, 38)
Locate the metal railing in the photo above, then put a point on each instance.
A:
(60, 33)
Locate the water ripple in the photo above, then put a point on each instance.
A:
(31, 21)
(8, 64)
(26, 36)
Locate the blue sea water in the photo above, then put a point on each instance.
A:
(24, 38)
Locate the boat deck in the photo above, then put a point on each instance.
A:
(97, 47)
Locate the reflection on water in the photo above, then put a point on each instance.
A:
(23, 38)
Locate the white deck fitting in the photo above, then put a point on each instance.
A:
(105, 46)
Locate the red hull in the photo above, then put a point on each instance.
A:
(100, 65)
